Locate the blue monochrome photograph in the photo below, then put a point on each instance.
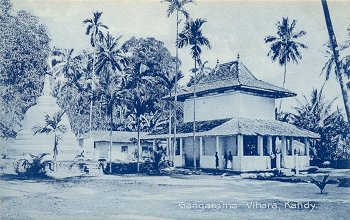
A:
(174, 109)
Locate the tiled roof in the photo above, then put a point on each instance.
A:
(117, 136)
(187, 127)
(234, 75)
(236, 126)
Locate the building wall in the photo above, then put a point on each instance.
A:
(209, 146)
(256, 107)
(301, 161)
(102, 150)
(228, 105)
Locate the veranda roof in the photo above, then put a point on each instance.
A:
(117, 136)
(234, 76)
(234, 126)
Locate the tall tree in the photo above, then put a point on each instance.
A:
(53, 126)
(139, 79)
(24, 49)
(94, 29)
(316, 114)
(168, 80)
(329, 67)
(192, 35)
(177, 6)
(72, 86)
(150, 60)
(339, 71)
(285, 47)
(110, 63)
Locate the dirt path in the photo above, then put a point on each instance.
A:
(188, 197)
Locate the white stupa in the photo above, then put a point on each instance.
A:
(26, 142)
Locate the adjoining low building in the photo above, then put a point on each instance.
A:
(236, 112)
(124, 145)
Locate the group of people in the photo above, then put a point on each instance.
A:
(228, 160)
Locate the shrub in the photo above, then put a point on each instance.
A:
(34, 166)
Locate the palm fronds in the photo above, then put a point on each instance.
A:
(321, 184)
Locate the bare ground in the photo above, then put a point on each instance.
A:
(163, 197)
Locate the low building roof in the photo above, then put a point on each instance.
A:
(117, 136)
(234, 76)
(234, 126)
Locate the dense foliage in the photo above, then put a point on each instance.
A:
(24, 48)
(318, 115)
(133, 67)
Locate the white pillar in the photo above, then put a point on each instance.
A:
(296, 167)
(269, 149)
(260, 145)
(174, 149)
(307, 147)
(291, 145)
(200, 146)
(283, 151)
(240, 152)
(218, 144)
(154, 144)
(181, 153)
(269, 144)
(278, 160)
(181, 144)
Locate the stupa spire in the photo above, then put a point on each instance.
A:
(47, 86)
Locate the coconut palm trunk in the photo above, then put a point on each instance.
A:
(110, 139)
(138, 144)
(92, 92)
(338, 69)
(175, 89)
(283, 84)
(55, 154)
(194, 114)
(192, 35)
(170, 144)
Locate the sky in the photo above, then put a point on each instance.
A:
(233, 27)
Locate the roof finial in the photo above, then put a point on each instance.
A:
(237, 56)
(217, 65)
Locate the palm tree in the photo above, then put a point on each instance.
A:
(94, 30)
(316, 114)
(141, 103)
(168, 81)
(339, 71)
(177, 6)
(285, 47)
(203, 71)
(67, 69)
(139, 76)
(53, 125)
(329, 66)
(109, 65)
(192, 35)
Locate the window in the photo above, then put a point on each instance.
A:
(144, 149)
(125, 149)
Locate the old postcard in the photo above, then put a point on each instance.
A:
(174, 109)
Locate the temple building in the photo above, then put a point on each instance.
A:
(235, 112)
(28, 143)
